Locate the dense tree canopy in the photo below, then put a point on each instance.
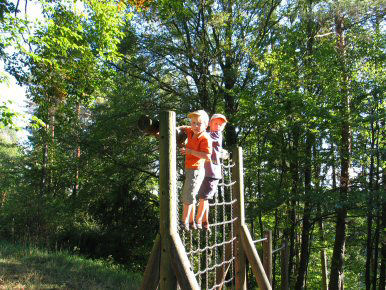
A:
(302, 83)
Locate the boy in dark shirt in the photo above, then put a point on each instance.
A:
(213, 172)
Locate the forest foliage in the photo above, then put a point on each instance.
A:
(302, 83)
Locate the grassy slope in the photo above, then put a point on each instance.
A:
(32, 268)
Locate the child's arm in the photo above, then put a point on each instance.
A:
(182, 127)
(181, 136)
(199, 154)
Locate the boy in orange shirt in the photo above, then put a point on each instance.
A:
(198, 150)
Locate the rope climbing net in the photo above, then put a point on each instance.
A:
(211, 253)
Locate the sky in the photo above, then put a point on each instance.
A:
(10, 91)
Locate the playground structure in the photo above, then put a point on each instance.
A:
(170, 266)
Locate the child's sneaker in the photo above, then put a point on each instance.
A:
(184, 226)
(193, 226)
(205, 225)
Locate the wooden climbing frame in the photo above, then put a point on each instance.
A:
(168, 264)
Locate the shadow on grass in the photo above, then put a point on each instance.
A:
(31, 268)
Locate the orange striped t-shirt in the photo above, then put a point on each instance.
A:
(197, 143)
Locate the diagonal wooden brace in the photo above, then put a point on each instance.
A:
(151, 276)
(181, 264)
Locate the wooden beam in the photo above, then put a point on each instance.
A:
(181, 264)
(267, 255)
(254, 259)
(167, 184)
(151, 276)
(238, 189)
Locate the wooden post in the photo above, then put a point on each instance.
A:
(284, 267)
(267, 255)
(238, 190)
(254, 259)
(167, 192)
(151, 275)
(168, 260)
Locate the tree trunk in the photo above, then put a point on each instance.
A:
(323, 255)
(337, 262)
(77, 152)
(44, 169)
(370, 205)
(333, 166)
(294, 169)
(377, 203)
(51, 148)
(229, 76)
(336, 278)
(382, 273)
(284, 267)
(274, 245)
(304, 251)
(306, 227)
(376, 252)
(259, 183)
(43, 185)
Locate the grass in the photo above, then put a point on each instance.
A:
(32, 268)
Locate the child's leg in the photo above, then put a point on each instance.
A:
(192, 212)
(206, 212)
(200, 211)
(202, 193)
(205, 219)
(186, 213)
(210, 191)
